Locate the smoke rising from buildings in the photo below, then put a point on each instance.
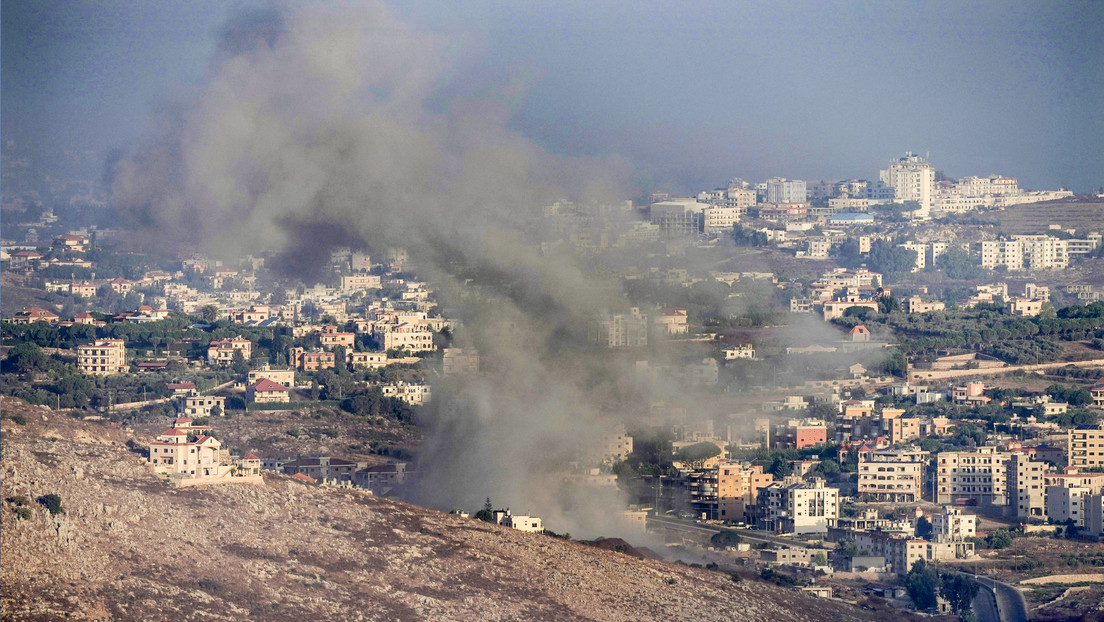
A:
(313, 131)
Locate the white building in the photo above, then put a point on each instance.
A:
(912, 179)
(795, 506)
(951, 525)
(781, 190)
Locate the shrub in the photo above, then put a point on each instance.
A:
(23, 512)
(52, 502)
(19, 419)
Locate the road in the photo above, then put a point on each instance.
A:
(706, 531)
(998, 602)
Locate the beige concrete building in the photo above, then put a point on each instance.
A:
(201, 405)
(366, 360)
(265, 391)
(979, 475)
(221, 352)
(1085, 447)
(409, 393)
(457, 361)
(1026, 486)
(285, 376)
(890, 475)
(104, 357)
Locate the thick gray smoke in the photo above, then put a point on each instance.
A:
(312, 131)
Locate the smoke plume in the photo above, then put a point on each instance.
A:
(314, 130)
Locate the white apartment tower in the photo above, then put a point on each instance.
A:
(912, 179)
(781, 190)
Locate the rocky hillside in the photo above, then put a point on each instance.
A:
(129, 547)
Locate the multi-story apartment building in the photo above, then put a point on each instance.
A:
(1043, 252)
(951, 525)
(902, 553)
(921, 251)
(103, 357)
(892, 475)
(795, 506)
(1026, 487)
(996, 253)
(720, 219)
(404, 336)
(979, 475)
(315, 360)
(781, 190)
(1085, 447)
(621, 330)
(331, 338)
(369, 360)
(912, 179)
(409, 393)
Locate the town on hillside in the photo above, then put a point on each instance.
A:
(846, 386)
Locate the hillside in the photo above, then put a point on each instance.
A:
(129, 547)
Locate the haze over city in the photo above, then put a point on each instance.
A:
(607, 311)
(688, 94)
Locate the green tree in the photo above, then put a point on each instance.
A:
(921, 584)
(959, 590)
(820, 559)
(724, 539)
(779, 467)
(923, 527)
(209, 314)
(52, 502)
(694, 456)
(999, 539)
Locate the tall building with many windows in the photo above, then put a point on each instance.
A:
(912, 179)
(782, 190)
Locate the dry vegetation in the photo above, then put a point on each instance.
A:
(129, 547)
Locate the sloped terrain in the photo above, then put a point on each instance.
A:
(130, 547)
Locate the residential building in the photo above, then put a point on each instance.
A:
(952, 525)
(892, 475)
(739, 351)
(179, 452)
(902, 553)
(104, 357)
(912, 179)
(1026, 490)
(1094, 514)
(997, 253)
(404, 336)
(671, 322)
(331, 338)
(359, 282)
(284, 376)
(782, 190)
(721, 219)
(409, 393)
(312, 360)
(1043, 252)
(795, 506)
(1065, 503)
(325, 468)
(221, 352)
(201, 405)
(921, 251)
(265, 391)
(915, 304)
(367, 360)
(978, 476)
(621, 330)
(1085, 447)
(35, 314)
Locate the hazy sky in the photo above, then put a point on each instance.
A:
(691, 94)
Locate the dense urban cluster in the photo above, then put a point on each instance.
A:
(840, 373)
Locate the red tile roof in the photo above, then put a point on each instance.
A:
(252, 456)
(305, 478)
(183, 420)
(173, 432)
(264, 385)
